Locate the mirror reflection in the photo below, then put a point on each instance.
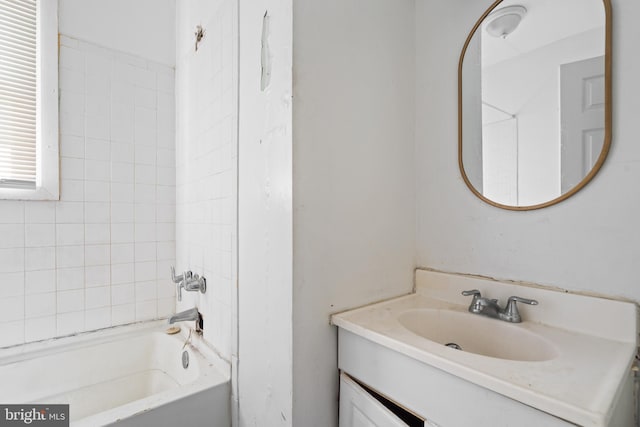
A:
(533, 100)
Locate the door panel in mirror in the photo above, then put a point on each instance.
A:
(535, 100)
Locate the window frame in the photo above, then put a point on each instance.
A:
(47, 140)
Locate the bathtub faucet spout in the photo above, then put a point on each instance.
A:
(191, 314)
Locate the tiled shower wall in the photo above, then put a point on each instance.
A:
(100, 256)
(206, 141)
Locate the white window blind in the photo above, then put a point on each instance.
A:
(18, 93)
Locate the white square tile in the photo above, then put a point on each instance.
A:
(145, 138)
(125, 73)
(165, 138)
(97, 106)
(12, 284)
(39, 305)
(71, 102)
(166, 176)
(97, 297)
(123, 314)
(72, 146)
(122, 253)
(71, 190)
(122, 273)
(95, 234)
(97, 255)
(166, 157)
(145, 271)
(11, 212)
(122, 152)
(40, 212)
(70, 256)
(40, 328)
(12, 235)
(145, 193)
(12, 308)
(165, 195)
(69, 323)
(145, 232)
(97, 191)
(97, 170)
(145, 78)
(145, 291)
(145, 251)
(97, 127)
(165, 232)
(97, 275)
(97, 65)
(98, 86)
(122, 193)
(71, 168)
(123, 294)
(122, 172)
(40, 281)
(72, 81)
(97, 212)
(69, 234)
(145, 310)
(166, 288)
(145, 98)
(145, 213)
(70, 278)
(122, 212)
(71, 59)
(39, 258)
(145, 174)
(97, 318)
(166, 251)
(167, 213)
(69, 212)
(166, 82)
(39, 235)
(122, 233)
(68, 301)
(98, 149)
(12, 333)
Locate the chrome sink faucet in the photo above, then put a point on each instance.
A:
(189, 282)
(490, 307)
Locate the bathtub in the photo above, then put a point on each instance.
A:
(124, 376)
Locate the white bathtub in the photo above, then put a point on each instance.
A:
(125, 376)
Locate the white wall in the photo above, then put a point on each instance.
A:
(265, 219)
(99, 257)
(353, 181)
(143, 28)
(587, 243)
(206, 159)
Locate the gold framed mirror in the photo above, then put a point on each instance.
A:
(534, 101)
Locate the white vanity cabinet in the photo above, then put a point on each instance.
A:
(438, 398)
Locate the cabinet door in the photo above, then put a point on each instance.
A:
(359, 409)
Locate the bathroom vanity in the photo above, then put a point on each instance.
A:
(425, 359)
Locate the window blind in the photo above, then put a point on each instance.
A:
(18, 93)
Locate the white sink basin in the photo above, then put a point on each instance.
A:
(478, 334)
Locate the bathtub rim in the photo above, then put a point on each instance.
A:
(216, 373)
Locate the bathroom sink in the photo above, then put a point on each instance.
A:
(477, 334)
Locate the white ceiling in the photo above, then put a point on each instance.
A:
(546, 21)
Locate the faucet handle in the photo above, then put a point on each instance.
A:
(511, 312)
(180, 278)
(476, 293)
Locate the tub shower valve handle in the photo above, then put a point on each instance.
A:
(180, 278)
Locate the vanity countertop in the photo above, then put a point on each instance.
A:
(594, 339)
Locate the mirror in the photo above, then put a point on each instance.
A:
(534, 100)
